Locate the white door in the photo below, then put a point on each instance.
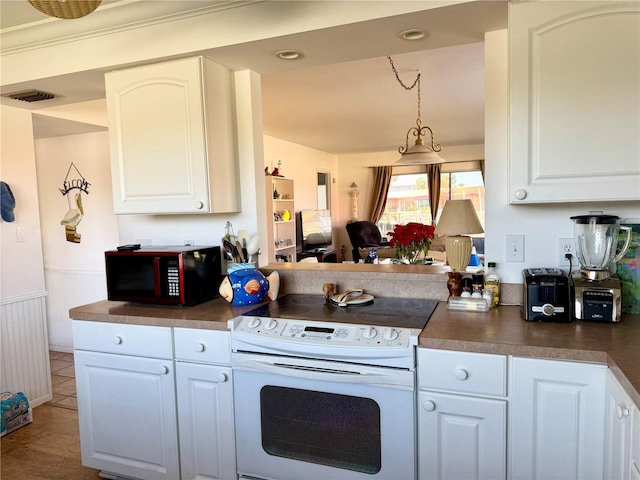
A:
(617, 458)
(574, 101)
(205, 418)
(127, 415)
(461, 437)
(157, 137)
(556, 419)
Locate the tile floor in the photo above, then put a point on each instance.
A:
(49, 447)
(63, 380)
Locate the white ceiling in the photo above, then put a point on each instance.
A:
(341, 96)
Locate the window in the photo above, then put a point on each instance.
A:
(408, 198)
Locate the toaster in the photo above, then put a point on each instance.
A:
(546, 295)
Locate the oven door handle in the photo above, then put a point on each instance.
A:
(400, 379)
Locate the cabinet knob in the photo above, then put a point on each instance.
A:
(199, 205)
(164, 370)
(222, 377)
(520, 194)
(429, 406)
(462, 374)
(117, 340)
(621, 411)
(200, 347)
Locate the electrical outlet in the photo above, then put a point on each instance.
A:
(514, 248)
(565, 245)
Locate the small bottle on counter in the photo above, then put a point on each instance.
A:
(478, 285)
(492, 282)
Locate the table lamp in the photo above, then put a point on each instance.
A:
(458, 219)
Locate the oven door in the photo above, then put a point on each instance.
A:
(300, 418)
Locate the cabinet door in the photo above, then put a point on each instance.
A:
(617, 458)
(574, 101)
(461, 437)
(556, 419)
(127, 416)
(156, 130)
(205, 416)
(634, 467)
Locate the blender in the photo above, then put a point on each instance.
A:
(596, 289)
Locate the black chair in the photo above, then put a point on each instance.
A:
(364, 234)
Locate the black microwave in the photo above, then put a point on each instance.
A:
(184, 275)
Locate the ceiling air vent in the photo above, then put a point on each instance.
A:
(30, 96)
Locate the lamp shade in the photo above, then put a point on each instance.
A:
(458, 218)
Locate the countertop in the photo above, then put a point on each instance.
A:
(500, 331)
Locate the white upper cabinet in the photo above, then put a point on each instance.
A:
(172, 138)
(574, 101)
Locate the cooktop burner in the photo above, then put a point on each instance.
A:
(388, 312)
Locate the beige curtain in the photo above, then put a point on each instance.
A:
(381, 181)
(433, 174)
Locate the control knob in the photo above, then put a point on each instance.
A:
(253, 322)
(369, 332)
(271, 324)
(390, 334)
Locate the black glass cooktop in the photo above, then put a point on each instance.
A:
(387, 312)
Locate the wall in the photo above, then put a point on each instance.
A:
(21, 261)
(25, 357)
(74, 272)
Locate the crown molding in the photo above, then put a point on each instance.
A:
(108, 19)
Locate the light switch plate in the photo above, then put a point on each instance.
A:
(21, 233)
(514, 248)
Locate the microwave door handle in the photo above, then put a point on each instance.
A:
(156, 277)
(401, 382)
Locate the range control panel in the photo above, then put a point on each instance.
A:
(314, 333)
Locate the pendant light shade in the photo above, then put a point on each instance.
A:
(66, 9)
(419, 153)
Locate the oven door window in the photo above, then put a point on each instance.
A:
(325, 428)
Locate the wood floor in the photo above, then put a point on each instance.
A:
(49, 447)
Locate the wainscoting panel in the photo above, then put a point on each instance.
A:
(68, 289)
(25, 352)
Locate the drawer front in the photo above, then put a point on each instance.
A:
(475, 373)
(137, 340)
(203, 346)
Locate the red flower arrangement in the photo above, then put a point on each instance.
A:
(412, 240)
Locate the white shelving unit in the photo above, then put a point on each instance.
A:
(280, 211)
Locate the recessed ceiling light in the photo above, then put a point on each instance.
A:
(289, 54)
(412, 34)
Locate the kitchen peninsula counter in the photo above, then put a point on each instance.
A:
(499, 331)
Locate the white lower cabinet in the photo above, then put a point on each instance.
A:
(634, 472)
(461, 417)
(145, 415)
(127, 415)
(621, 435)
(556, 419)
(205, 405)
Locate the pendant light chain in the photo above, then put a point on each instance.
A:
(415, 82)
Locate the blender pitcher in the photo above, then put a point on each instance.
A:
(596, 240)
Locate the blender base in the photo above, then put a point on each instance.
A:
(597, 300)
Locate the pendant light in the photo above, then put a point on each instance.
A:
(66, 9)
(419, 153)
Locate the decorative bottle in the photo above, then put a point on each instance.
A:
(492, 282)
